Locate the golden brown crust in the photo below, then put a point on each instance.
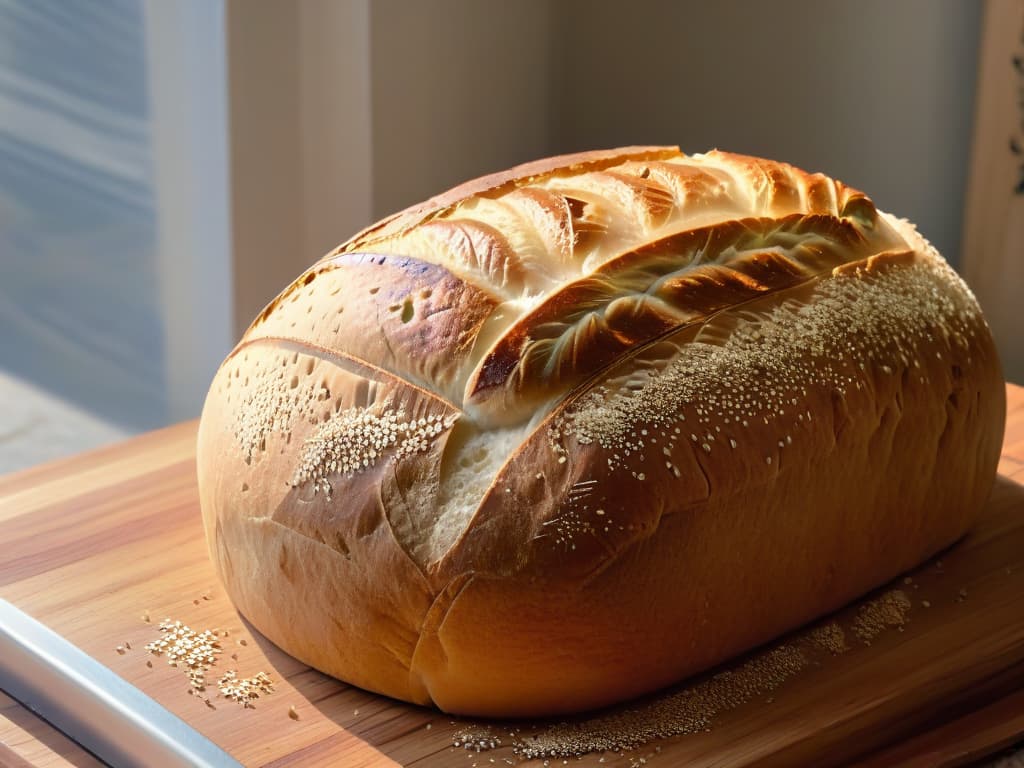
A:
(645, 293)
(292, 558)
(693, 550)
(495, 184)
(592, 425)
(407, 316)
(662, 416)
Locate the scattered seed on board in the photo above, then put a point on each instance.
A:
(694, 707)
(244, 690)
(887, 610)
(292, 713)
(829, 637)
(183, 647)
(687, 710)
(120, 650)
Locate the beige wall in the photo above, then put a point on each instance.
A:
(342, 112)
(994, 222)
(876, 92)
(300, 138)
(460, 88)
(345, 111)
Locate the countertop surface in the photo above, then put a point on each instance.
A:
(119, 510)
(37, 426)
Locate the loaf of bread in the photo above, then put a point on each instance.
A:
(567, 434)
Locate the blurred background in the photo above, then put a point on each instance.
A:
(166, 167)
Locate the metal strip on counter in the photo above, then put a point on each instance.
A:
(108, 716)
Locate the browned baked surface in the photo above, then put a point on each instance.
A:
(570, 433)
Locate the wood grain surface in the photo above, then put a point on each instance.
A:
(27, 740)
(92, 544)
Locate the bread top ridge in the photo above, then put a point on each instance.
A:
(543, 274)
(627, 313)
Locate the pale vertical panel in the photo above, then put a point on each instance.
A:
(993, 244)
(460, 88)
(874, 92)
(188, 92)
(335, 112)
(266, 151)
(300, 138)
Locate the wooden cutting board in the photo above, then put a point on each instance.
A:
(92, 544)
